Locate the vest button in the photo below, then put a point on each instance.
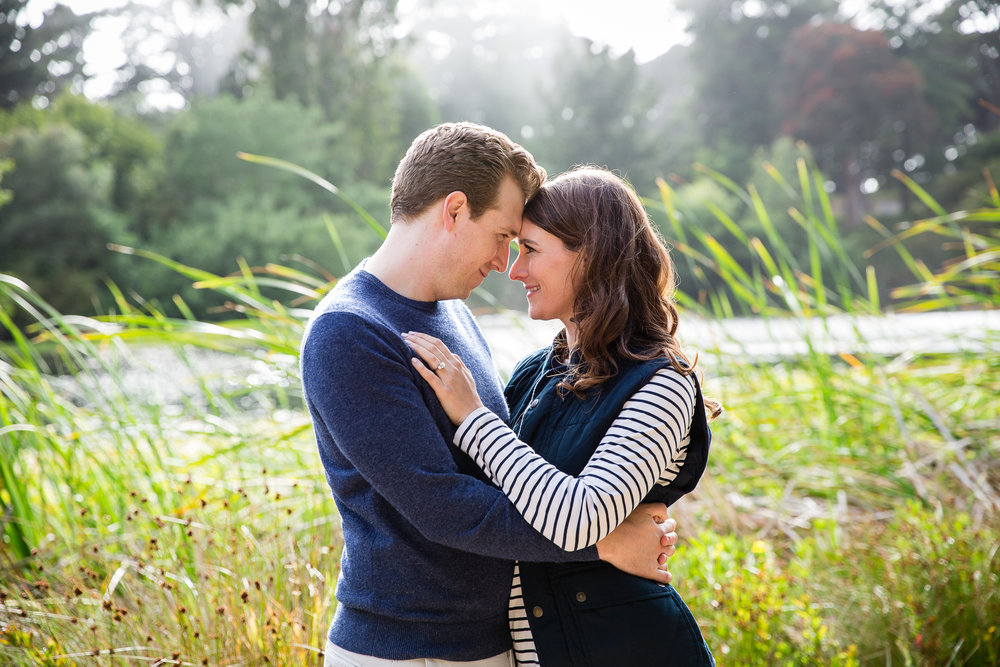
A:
(533, 403)
(581, 597)
(536, 612)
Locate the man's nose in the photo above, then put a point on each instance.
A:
(500, 260)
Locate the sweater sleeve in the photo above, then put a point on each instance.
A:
(364, 398)
(645, 445)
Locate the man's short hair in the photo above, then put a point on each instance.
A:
(464, 157)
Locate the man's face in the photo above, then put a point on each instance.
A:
(482, 244)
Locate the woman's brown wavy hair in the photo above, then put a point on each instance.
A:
(624, 307)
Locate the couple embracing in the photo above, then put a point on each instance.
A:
(487, 525)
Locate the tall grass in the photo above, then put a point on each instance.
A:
(863, 486)
(198, 531)
(850, 515)
(852, 401)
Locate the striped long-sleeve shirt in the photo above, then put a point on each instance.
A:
(645, 445)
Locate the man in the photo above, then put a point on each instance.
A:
(428, 545)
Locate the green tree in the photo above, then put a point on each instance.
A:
(211, 209)
(194, 46)
(955, 47)
(454, 49)
(55, 229)
(339, 56)
(936, 49)
(80, 178)
(201, 161)
(123, 142)
(847, 94)
(598, 111)
(980, 20)
(39, 60)
(736, 50)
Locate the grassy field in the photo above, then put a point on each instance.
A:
(851, 514)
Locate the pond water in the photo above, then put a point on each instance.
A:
(511, 336)
(159, 375)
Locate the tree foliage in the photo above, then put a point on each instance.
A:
(212, 209)
(124, 144)
(955, 47)
(79, 177)
(940, 53)
(203, 143)
(5, 195)
(848, 94)
(55, 229)
(336, 86)
(175, 50)
(736, 50)
(597, 111)
(455, 50)
(338, 56)
(38, 59)
(958, 51)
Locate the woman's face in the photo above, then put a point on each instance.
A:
(545, 265)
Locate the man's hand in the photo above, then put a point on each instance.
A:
(642, 544)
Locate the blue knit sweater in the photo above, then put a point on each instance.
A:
(428, 545)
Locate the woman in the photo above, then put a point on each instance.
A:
(608, 416)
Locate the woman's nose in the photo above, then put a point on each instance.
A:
(517, 271)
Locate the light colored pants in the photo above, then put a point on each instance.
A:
(338, 657)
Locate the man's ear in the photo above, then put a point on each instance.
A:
(454, 204)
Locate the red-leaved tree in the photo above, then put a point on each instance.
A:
(846, 93)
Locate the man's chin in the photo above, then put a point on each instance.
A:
(473, 288)
(459, 294)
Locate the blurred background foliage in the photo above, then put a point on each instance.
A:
(341, 88)
(814, 165)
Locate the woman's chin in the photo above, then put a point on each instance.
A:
(538, 315)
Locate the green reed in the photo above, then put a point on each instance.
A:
(849, 404)
(201, 531)
(194, 532)
(839, 446)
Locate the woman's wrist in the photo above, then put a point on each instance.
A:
(468, 409)
(463, 439)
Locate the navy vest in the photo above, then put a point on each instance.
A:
(592, 613)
